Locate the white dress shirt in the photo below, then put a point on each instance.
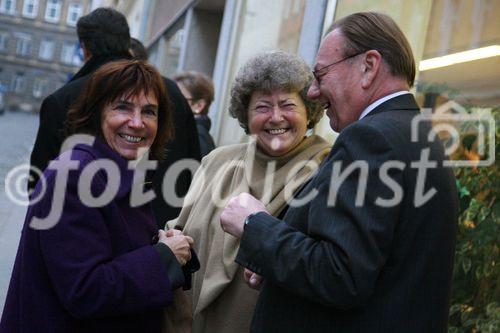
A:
(379, 101)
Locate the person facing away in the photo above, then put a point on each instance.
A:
(370, 246)
(198, 90)
(184, 145)
(101, 265)
(104, 36)
(268, 98)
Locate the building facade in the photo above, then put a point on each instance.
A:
(39, 49)
(217, 36)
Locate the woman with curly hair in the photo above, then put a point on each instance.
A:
(269, 100)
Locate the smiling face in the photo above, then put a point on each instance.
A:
(129, 125)
(339, 89)
(278, 120)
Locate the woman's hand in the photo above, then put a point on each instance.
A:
(179, 244)
(252, 279)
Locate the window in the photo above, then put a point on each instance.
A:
(4, 41)
(23, 44)
(53, 11)
(67, 53)
(30, 8)
(46, 51)
(8, 6)
(171, 43)
(177, 39)
(39, 86)
(460, 58)
(74, 13)
(18, 82)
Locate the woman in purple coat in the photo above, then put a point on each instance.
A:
(90, 257)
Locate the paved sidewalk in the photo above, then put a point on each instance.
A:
(18, 131)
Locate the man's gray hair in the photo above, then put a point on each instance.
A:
(267, 72)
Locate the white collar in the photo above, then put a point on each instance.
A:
(379, 101)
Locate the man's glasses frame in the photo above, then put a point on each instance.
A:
(316, 73)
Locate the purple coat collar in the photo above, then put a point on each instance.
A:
(101, 150)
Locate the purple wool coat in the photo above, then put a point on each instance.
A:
(95, 270)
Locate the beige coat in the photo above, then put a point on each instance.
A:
(220, 301)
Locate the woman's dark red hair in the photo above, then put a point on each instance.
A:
(121, 79)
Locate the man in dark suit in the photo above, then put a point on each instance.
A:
(104, 37)
(368, 243)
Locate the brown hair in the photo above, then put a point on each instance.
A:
(112, 81)
(199, 86)
(375, 31)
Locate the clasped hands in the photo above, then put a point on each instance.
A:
(232, 220)
(178, 243)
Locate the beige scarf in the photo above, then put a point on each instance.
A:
(226, 172)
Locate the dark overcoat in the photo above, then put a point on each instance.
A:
(203, 124)
(376, 266)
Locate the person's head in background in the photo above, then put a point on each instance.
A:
(198, 89)
(138, 50)
(103, 32)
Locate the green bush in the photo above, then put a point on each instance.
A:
(475, 304)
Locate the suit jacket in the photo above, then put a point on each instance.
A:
(95, 270)
(51, 134)
(348, 268)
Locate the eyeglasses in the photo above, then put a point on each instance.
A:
(318, 76)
